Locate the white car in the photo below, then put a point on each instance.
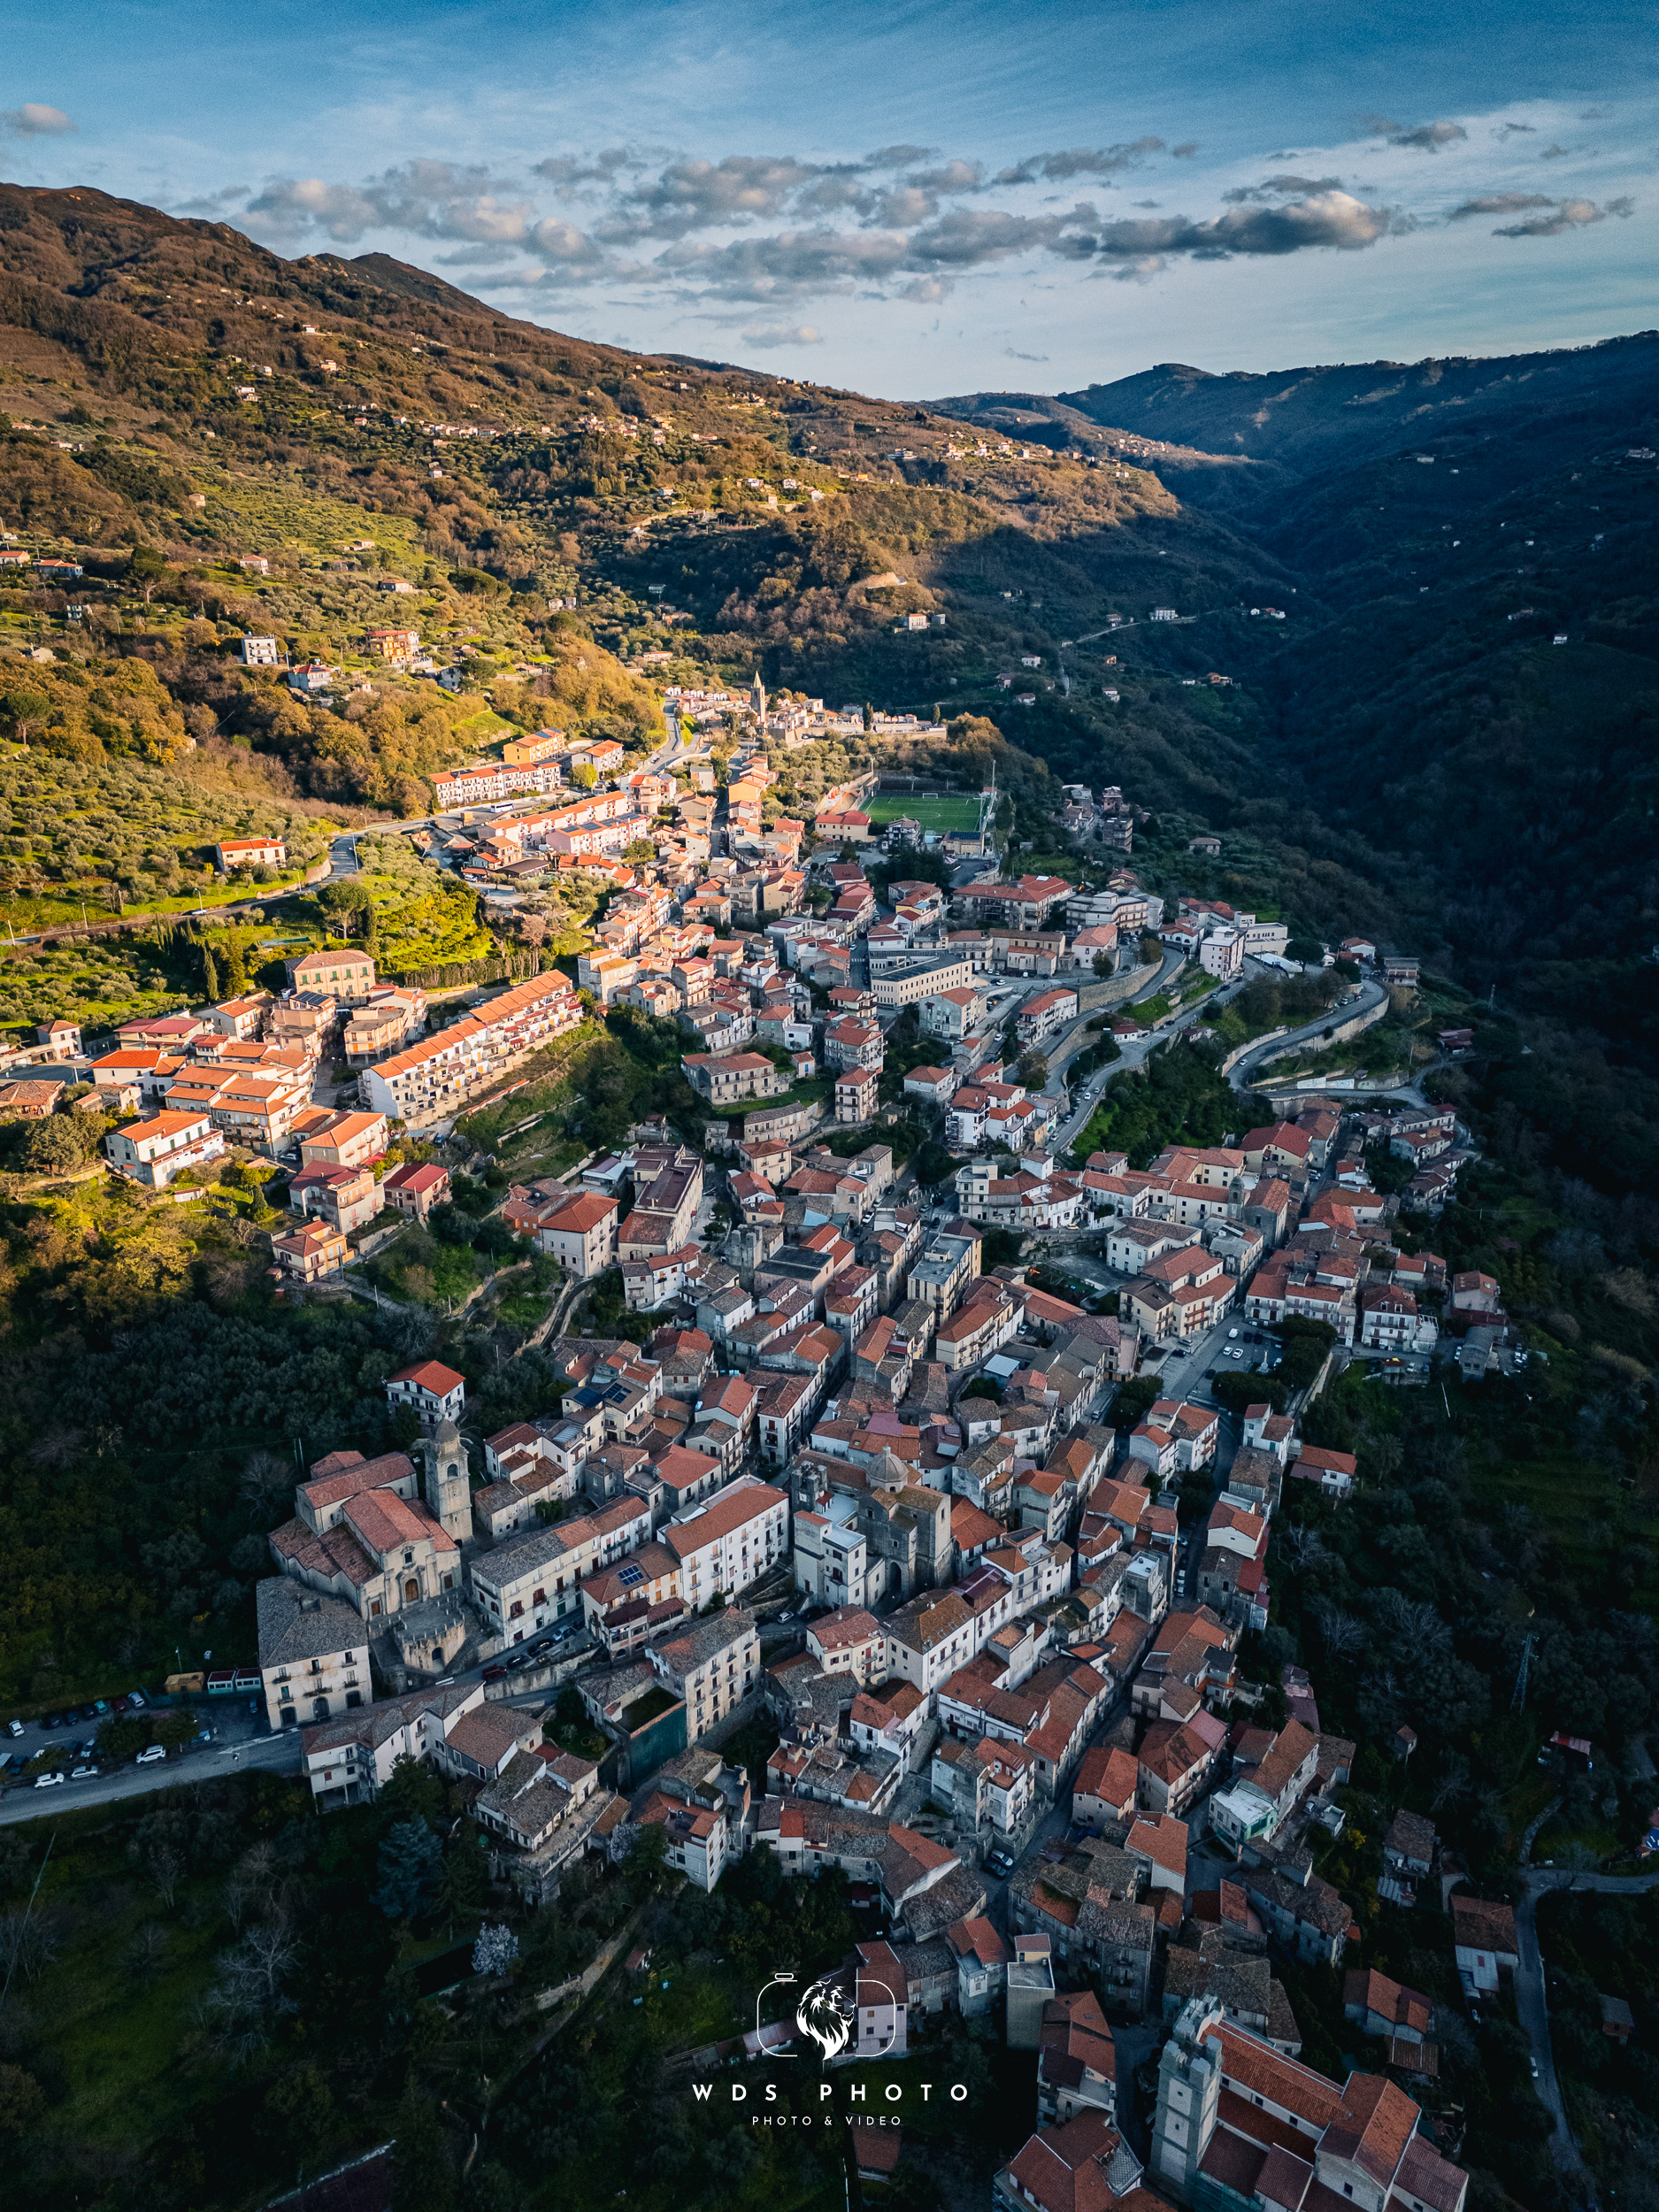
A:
(84, 1774)
(149, 1755)
(49, 1780)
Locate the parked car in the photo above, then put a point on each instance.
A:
(519, 1659)
(16, 1764)
(149, 1755)
(100, 1709)
(14, 1728)
(49, 1780)
(494, 1674)
(51, 1720)
(84, 1774)
(999, 1863)
(137, 1700)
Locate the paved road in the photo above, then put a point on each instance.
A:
(1244, 1074)
(1530, 2002)
(278, 1753)
(1137, 1050)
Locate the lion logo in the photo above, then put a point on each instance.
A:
(825, 2016)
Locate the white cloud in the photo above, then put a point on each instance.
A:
(35, 120)
(768, 335)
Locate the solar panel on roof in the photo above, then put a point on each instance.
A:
(629, 1575)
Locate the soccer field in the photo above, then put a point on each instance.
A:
(957, 813)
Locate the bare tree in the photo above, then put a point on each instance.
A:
(1303, 1545)
(1341, 1633)
(247, 1997)
(1453, 1784)
(165, 1864)
(147, 1953)
(27, 1945)
(264, 1479)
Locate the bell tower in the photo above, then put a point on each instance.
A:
(1189, 2095)
(449, 1484)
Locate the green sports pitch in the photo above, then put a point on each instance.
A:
(959, 813)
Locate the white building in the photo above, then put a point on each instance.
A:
(730, 1540)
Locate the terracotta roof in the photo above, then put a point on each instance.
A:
(1479, 1925)
(1162, 1841)
(432, 1375)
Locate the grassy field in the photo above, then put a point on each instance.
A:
(961, 813)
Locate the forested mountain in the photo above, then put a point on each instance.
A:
(1465, 691)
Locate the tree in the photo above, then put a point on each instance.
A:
(423, 2174)
(53, 1147)
(464, 1883)
(249, 1995)
(343, 899)
(23, 712)
(146, 568)
(1104, 965)
(411, 1861)
(121, 1738)
(584, 775)
(210, 974)
(495, 1951)
(22, 2101)
(1133, 1400)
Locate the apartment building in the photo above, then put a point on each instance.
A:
(710, 1666)
(730, 1540)
(531, 1579)
(313, 1653)
(153, 1152)
(730, 1080)
(581, 1234)
(435, 1076)
(344, 974)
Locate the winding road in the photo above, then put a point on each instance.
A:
(1532, 2003)
(1372, 993)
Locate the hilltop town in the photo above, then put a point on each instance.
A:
(690, 1315)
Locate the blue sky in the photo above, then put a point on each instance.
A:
(910, 199)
